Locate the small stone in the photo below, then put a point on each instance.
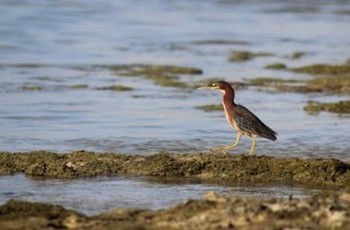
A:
(213, 196)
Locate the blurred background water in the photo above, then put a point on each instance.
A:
(48, 96)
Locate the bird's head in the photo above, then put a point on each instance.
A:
(223, 86)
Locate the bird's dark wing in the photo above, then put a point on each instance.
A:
(248, 122)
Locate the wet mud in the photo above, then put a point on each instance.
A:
(240, 168)
(323, 211)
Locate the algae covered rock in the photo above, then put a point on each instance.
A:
(116, 88)
(327, 172)
(214, 211)
(297, 55)
(277, 65)
(240, 56)
(210, 108)
(336, 84)
(163, 75)
(334, 107)
(270, 81)
(27, 215)
(325, 69)
(326, 84)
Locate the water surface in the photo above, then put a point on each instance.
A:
(47, 102)
(96, 195)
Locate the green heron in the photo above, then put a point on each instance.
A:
(240, 118)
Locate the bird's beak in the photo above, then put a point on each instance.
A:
(204, 87)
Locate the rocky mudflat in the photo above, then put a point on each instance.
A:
(325, 211)
(312, 171)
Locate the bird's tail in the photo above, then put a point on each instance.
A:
(269, 133)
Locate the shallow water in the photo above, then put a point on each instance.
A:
(54, 105)
(93, 196)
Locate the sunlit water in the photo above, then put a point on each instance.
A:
(58, 36)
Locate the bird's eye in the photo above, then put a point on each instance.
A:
(214, 84)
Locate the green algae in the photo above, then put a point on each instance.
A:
(56, 87)
(137, 70)
(268, 81)
(32, 88)
(163, 69)
(276, 66)
(315, 69)
(334, 107)
(171, 69)
(326, 84)
(281, 85)
(137, 96)
(210, 108)
(48, 78)
(324, 69)
(240, 56)
(168, 81)
(297, 55)
(337, 84)
(220, 42)
(24, 65)
(296, 9)
(163, 75)
(116, 88)
(231, 167)
(78, 86)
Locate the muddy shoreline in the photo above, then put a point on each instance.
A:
(241, 168)
(327, 210)
(324, 211)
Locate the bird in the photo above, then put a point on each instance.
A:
(240, 118)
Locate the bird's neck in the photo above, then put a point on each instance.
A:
(229, 98)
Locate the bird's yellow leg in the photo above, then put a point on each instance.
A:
(234, 145)
(228, 147)
(251, 152)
